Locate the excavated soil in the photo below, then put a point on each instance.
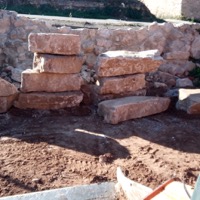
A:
(41, 150)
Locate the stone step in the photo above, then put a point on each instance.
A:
(189, 101)
(122, 84)
(54, 43)
(116, 63)
(33, 81)
(122, 109)
(57, 64)
(48, 101)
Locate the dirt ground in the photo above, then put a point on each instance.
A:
(41, 150)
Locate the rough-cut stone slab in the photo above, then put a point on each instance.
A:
(124, 84)
(7, 102)
(6, 88)
(118, 110)
(115, 63)
(96, 98)
(189, 101)
(48, 101)
(57, 64)
(33, 81)
(54, 43)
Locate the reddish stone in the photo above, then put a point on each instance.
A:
(57, 64)
(48, 101)
(33, 81)
(124, 84)
(115, 63)
(54, 43)
(118, 110)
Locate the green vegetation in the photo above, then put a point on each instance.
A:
(112, 11)
(195, 76)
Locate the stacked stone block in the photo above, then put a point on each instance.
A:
(54, 82)
(122, 73)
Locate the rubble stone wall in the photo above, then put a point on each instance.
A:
(176, 44)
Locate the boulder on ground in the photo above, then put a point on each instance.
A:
(54, 43)
(48, 101)
(8, 93)
(116, 63)
(33, 81)
(118, 110)
(57, 63)
(121, 84)
(189, 101)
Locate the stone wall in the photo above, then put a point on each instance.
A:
(176, 44)
(177, 9)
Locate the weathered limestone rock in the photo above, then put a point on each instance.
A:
(189, 101)
(7, 102)
(178, 68)
(115, 63)
(195, 51)
(118, 110)
(96, 98)
(6, 88)
(122, 84)
(16, 74)
(54, 43)
(48, 82)
(8, 94)
(48, 101)
(178, 55)
(57, 64)
(184, 83)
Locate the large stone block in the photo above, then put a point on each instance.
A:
(54, 43)
(33, 81)
(48, 101)
(124, 84)
(57, 64)
(118, 110)
(189, 101)
(115, 63)
(96, 98)
(6, 88)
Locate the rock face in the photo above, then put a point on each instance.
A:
(54, 43)
(57, 64)
(114, 63)
(189, 101)
(49, 82)
(48, 101)
(118, 110)
(117, 85)
(8, 93)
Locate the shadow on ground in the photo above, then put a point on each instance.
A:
(84, 131)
